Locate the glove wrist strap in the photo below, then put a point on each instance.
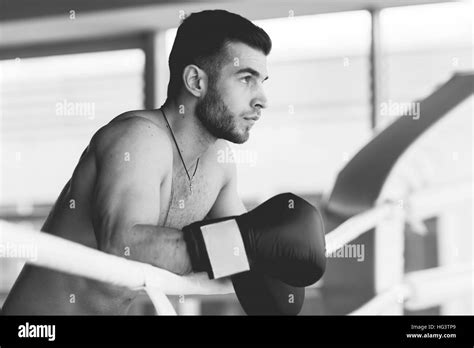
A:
(197, 249)
(225, 248)
(216, 248)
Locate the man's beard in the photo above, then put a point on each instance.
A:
(217, 119)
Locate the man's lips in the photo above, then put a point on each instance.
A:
(252, 118)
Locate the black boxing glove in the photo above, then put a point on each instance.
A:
(260, 294)
(282, 238)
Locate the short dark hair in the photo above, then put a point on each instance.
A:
(201, 40)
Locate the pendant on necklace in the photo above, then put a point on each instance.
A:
(191, 187)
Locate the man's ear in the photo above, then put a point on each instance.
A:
(195, 80)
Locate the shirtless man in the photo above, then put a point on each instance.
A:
(130, 193)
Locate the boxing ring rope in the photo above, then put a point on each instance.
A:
(356, 226)
(416, 290)
(419, 289)
(70, 257)
(423, 289)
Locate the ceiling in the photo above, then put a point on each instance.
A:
(25, 23)
(23, 9)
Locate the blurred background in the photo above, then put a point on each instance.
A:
(340, 72)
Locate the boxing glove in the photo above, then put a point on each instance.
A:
(282, 238)
(260, 294)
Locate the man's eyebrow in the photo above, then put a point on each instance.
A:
(251, 71)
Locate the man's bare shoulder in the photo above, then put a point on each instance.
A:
(131, 132)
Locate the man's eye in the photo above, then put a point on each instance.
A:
(246, 79)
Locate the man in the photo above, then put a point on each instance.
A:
(147, 174)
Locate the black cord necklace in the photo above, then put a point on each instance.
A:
(180, 156)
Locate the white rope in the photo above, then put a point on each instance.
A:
(420, 202)
(355, 227)
(380, 302)
(434, 286)
(66, 256)
(423, 289)
(73, 258)
(70, 257)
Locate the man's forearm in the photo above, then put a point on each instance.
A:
(160, 246)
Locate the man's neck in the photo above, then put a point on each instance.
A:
(192, 138)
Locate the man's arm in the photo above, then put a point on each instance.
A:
(133, 157)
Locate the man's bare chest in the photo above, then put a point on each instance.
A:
(183, 205)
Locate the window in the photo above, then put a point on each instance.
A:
(423, 46)
(319, 109)
(50, 108)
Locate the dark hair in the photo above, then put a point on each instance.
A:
(201, 40)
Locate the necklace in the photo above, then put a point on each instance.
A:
(190, 179)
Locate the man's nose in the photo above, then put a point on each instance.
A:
(260, 101)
